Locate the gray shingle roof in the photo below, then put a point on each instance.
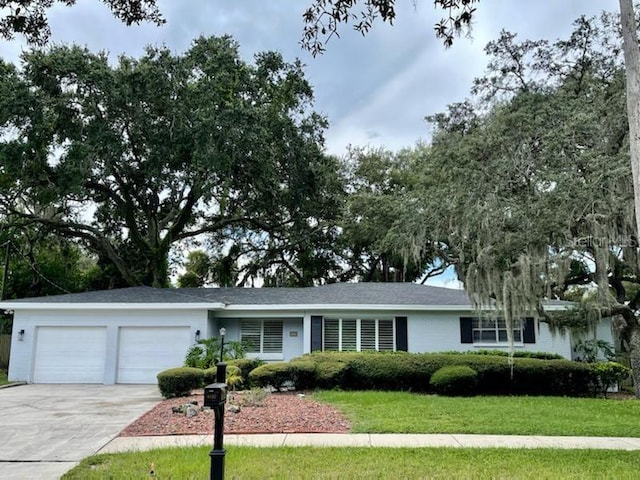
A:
(333, 294)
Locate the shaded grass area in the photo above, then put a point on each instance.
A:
(401, 412)
(3, 377)
(354, 463)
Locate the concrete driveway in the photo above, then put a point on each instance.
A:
(45, 430)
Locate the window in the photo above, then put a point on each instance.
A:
(357, 335)
(262, 336)
(492, 330)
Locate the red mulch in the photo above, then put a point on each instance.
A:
(280, 413)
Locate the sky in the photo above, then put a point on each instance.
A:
(374, 90)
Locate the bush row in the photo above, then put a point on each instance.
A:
(178, 382)
(413, 372)
(504, 353)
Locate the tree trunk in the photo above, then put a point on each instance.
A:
(634, 357)
(632, 67)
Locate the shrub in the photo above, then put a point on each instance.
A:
(413, 371)
(504, 353)
(234, 377)
(609, 375)
(455, 380)
(300, 373)
(246, 365)
(203, 353)
(330, 369)
(271, 374)
(178, 382)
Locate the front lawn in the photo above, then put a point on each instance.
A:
(354, 463)
(400, 412)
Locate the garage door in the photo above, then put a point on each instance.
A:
(145, 351)
(70, 355)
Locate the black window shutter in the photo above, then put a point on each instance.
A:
(529, 333)
(466, 330)
(402, 340)
(316, 333)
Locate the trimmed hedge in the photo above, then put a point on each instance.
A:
(455, 380)
(413, 372)
(504, 353)
(178, 382)
(300, 373)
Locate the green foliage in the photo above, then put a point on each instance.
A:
(406, 412)
(246, 365)
(592, 350)
(412, 372)
(178, 382)
(197, 270)
(502, 353)
(234, 377)
(206, 352)
(609, 375)
(215, 146)
(455, 380)
(300, 374)
(250, 463)
(30, 18)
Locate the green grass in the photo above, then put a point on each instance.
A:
(400, 412)
(3, 377)
(355, 463)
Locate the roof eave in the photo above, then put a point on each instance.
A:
(21, 306)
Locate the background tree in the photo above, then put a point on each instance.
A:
(29, 17)
(134, 158)
(529, 187)
(371, 235)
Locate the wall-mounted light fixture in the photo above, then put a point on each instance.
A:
(223, 332)
(21, 335)
(197, 335)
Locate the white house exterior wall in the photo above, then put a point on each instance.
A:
(428, 329)
(292, 335)
(21, 364)
(440, 331)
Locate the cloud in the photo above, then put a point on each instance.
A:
(384, 83)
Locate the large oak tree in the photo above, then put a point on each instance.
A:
(136, 157)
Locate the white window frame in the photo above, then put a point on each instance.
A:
(260, 349)
(499, 325)
(359, 333)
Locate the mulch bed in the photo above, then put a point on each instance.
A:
(288, 412)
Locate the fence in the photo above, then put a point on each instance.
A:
(5, 348)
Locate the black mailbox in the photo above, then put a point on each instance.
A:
(215, 394)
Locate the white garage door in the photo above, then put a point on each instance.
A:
(70, 355)
(143, 352)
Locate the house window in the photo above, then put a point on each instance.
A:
(357, 335)
(492, 330)
(262, 336)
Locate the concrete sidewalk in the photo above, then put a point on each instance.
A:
(124, 444)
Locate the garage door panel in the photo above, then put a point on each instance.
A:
(70, 355)
(143, 352)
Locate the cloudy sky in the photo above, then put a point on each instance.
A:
(375, 90)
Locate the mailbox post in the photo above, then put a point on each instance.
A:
(215, 397)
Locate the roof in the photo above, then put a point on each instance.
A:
(338, 293)
(409, 295)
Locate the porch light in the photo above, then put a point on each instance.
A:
(21, 335)
(197, 335)
(223, 332)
